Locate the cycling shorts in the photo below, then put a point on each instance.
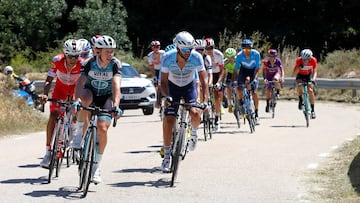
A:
(187, 92)
(303, 78)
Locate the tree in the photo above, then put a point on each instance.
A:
(28, 23)
(99, 17)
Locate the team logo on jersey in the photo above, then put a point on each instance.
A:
(98, 84)
(101, 75)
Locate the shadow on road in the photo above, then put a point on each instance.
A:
(354, 173)
(288, 126)
(32, 181)
(139, 170)
(69, 193)
(161, 183)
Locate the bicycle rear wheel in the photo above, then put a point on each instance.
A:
(206, 126)
(237, 114)
(176, 156)
(54, 151)
(306, 109)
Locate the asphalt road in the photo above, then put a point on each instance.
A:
(235, 166)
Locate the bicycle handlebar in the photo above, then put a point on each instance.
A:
(97, 110)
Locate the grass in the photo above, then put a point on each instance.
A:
(337, 179)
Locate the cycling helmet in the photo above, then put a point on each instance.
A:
(272, 53)
(93, 39)
(72, 47)
(306, 54)
(230, 52)
(170, 47)
(246, 43)
(155, 43)
(8, 70)
(105, 41)
(85, 47)
(209, 43)
(199, 44)
(184, 40)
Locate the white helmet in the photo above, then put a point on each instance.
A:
(200, 44)
(306, 54)
(184, 40)
(85, 47)
(105, 41)
(72, 47)
(8, 70)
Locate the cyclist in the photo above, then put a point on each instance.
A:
(92, 43)
(154, 59)
(248, 64)
(200, 47)
(99, 84)
(230, 54)
(305, 70)
(273, 70)
(66, 68)
(217, 59)
(177, 81)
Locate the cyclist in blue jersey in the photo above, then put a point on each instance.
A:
(248, 61)
(99, 84)
(178, 67)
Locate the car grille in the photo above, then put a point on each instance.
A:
(132, 90)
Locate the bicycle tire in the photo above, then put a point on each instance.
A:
(206, 126)
(306, 108)
(84, 151)
(273, 102)
(89, 163)
(54, 151)
(176, 157)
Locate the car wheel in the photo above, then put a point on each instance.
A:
(148, 110)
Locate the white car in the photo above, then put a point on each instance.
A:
(137, 92)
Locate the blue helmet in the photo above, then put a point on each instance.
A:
(246, 43)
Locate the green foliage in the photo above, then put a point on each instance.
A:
(30, 23)
(106, 18)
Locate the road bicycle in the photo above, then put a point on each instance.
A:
(209, 117)
(273, 98)
(248, 106)
(88, 151)
(61, 138)
(306, 108)
(180, 136)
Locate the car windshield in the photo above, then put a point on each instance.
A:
(129, 72)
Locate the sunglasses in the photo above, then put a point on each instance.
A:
(156, 46)
(209, 48)
(201, 49)
(186, 49)
(72, 56)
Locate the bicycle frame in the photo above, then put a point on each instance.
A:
(272, 102)
(248, 107)
(306, 101)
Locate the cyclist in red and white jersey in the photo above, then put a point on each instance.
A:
(305, 70)
(217, 58)
(65, 68)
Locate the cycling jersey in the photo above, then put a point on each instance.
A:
(155, 59)
(99, 79)
(181, 77)
(207, 63)
(306, 68)
(252, 63)
(66, 80)
(217, 60)
(271, 71)
(229, 66)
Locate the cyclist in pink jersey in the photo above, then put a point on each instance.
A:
(66, 68)
(305, 70)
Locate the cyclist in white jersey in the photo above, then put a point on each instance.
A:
(178, 67)
(217, 58)
(154, 60)
(200, 47)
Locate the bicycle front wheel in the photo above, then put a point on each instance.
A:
(54, 150)
(86, 162)
(177, 155)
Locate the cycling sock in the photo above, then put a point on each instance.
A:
(99, 158)
(267, 102)
(47, 152)
(167, 152)
(79, 128)
(193, 131)
(256, 113)
(312, 108)
(216, 119)
(277, 91)
(300, 99)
